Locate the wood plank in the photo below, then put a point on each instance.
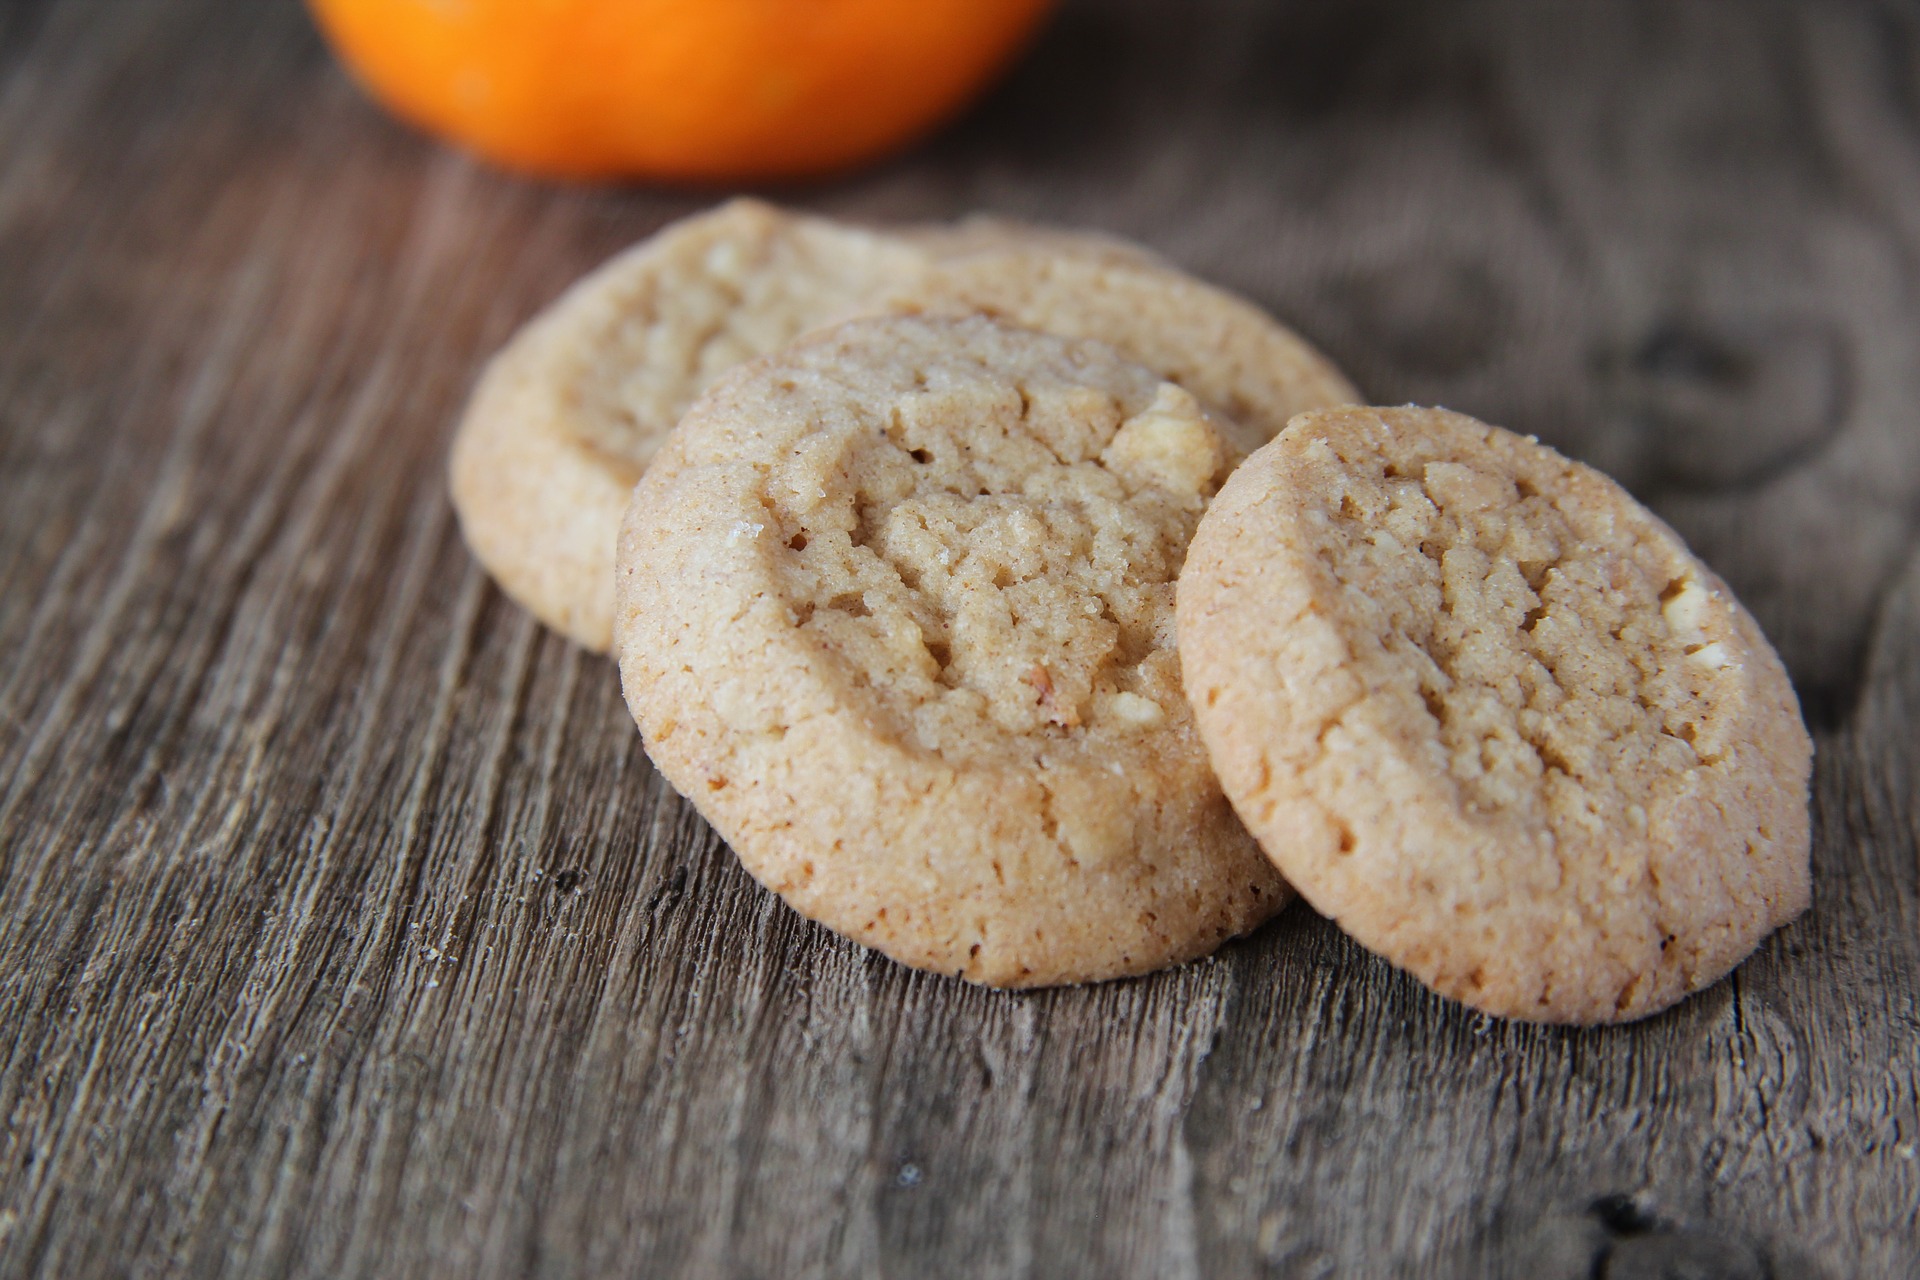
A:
(345, 929)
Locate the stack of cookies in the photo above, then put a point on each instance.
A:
(1025, 609)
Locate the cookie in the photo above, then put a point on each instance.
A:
(895, 611)
(568, 415)
(1253, 371)
(1491, 716)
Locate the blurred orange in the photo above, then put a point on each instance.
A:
(678, 89)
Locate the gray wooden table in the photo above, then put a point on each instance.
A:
(346, 931)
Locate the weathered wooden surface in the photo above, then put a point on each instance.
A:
(345, 931)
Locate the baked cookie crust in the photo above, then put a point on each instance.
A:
(1491, 716)
(567, 416)
(1247, 367)
(895, 611)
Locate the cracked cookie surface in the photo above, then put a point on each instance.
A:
(569, 414)
(1491, 716)
(895, 610)
(1240, 362)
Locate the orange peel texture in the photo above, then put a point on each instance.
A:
(692, 90)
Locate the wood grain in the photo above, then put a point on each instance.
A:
(346, 931)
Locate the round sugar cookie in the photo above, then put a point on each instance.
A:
(1245, 366)
(1491, 716)
(568, 415)
(895, 611)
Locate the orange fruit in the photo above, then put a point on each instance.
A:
(679, 89)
